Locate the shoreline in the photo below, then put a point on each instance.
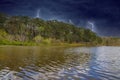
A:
(56, 45)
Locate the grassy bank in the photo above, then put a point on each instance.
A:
(31, 43)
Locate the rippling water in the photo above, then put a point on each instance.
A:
(60, 63)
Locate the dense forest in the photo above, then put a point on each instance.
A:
(18, 29)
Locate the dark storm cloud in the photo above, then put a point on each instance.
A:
(104, 13)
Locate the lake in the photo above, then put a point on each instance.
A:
(60, 63)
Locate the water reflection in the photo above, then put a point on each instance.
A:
(105, 63)
(60, 63)
(36, 63)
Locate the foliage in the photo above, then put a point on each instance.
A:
(25, 29)
(111, 41)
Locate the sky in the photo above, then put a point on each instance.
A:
(104, 15)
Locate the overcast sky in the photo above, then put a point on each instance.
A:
(104, 14)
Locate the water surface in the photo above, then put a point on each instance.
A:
(61, 63)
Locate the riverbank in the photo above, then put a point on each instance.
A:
(47, 42)
(30, 43)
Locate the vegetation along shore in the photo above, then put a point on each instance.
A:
(23, 30)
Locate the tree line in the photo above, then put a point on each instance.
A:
(24, 28)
